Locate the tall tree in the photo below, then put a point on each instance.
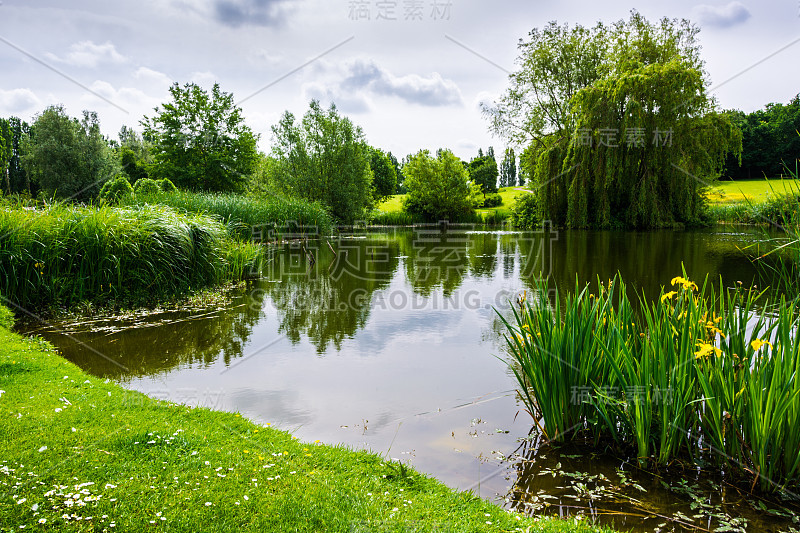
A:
(6, 140)
(508, 169)
(69, 157)
(325, 158)
(483, 171)
(384, 177)
(625, 133)
(19, 178)
(439, 188)
(398, 172)
(200, 140)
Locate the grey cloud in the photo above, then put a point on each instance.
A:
(236, 13)
(725, 16)
(431, 91)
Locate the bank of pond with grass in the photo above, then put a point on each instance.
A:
(81, 453)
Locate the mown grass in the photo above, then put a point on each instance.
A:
(698, 375)
(82, 454)
(245, 216)
(754, 191)
(62, 255)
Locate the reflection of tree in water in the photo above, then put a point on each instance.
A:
(161, 342)
(483, 254)
(328, 298)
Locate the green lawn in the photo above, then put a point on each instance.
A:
(84, 454)
(395, 203)
(755, 191)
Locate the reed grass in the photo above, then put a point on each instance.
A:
(247, 216)
(702, 374)
(66, 254)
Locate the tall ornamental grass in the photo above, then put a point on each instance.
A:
(247, 216)
(700, 374)
(66, 254)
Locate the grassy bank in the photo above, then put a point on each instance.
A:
(82, 454)
(696, 376)
(754, 191)
(62, 255)
(275, 215)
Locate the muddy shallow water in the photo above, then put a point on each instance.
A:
(389, 340)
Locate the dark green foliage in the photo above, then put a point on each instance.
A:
(6, 139)
(508, 169)
(384, 176)
(324, 159)
(492, 200)
(770, 142)
(114, 189)
(146, 187)
(483, 172)
(63, 255)
(18, 178)
(67, 157)
(398, 172)
(200, 140)
(131, 166)
(524, 212)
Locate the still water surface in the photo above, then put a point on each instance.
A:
(389, 340)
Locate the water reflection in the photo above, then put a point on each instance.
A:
(386, 340)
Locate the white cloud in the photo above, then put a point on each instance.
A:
(153, 78)
(204, 79)
(17, 101)
(89, 54)
(725, 16)
(130, 98)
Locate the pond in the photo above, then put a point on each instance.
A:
(389, 340)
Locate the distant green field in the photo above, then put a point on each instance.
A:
(756, 191)
(395, 203)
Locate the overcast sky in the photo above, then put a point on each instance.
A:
(410, 73)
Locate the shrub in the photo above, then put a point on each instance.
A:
(493, 200)
(166, 185)
(114, 189)
(524, 213)
(146, 187)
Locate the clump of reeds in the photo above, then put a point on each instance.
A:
(247, 216)
(65, 254)
(697, 373)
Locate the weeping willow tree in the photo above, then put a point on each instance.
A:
(637, 138)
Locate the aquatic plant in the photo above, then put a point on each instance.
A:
(64, 254)
(698, 373)
(246, 216)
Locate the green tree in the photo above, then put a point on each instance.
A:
(6, 140)
(19, 179)
(483, 171)
(634, 139)
(770, 143)
(200, 140)
(324, 158)
(398, 173)
(439, 188)
(384, 176)
(508, 169)
(69, 157)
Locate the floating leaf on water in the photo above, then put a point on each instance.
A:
(639, 487)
